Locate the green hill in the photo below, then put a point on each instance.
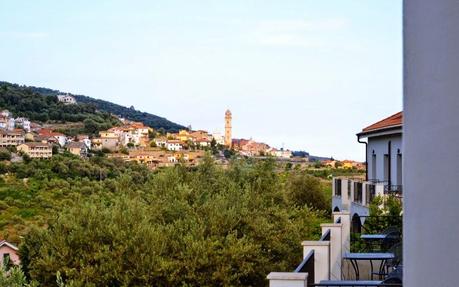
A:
(148, 119)
(23, 101)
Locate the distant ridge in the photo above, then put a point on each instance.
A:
(148, 119)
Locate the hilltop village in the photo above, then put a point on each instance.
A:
(134, 141)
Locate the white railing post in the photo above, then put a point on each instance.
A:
(364, 193)
(346, 230)
(321, 258)
(287, 279)
(345, 200)
(379, 189)
(335, 248)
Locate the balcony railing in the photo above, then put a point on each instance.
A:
(370, 193)
(396, 190)
(307, 266)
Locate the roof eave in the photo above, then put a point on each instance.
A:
(381, 132)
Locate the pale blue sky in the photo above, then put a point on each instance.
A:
(306, 74)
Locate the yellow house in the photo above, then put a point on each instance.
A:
(183, 135)
(36, 149)
(347, 165)
(107, 134)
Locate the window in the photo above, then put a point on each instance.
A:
(338, 187)
(386, 167)
(6, 259)
(373, 166)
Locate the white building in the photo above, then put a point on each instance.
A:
(384, 150)
(85, 139)
(24, 123)
(11, 124)
(66, 99)
(384, 169)
(5, 114)
(3, 123)
(219, 138)
(174, 145)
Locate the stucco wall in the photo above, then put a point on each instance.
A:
(380, 146)
(431, 142)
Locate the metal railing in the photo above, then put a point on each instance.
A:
(396, 190)
(326, 236)
(370, 193)
(307, 265)
(374, 180)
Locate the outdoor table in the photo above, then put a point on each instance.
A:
(373, 236)
(373, 240)
(327, 283)
(355, 257)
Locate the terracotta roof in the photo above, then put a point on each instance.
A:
(37, 144)
(392, 121)
(75, 145)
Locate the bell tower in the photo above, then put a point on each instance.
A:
(228, 137)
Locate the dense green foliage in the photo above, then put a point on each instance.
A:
(385, 212)
(24, 102)
(108, 223)
(13, 277)
(148, 119)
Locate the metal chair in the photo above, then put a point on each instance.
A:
(393, 266)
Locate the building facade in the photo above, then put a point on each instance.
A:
(11, 138)
(36, 149)
(66, 99)
(384, 150)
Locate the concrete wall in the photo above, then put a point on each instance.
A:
(431, 142)
(380, 147)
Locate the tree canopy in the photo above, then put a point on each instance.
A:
(109, 223)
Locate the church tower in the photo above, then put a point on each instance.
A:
(228, 137)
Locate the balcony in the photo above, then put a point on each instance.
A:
(396, 190)
(328, 261)
(356, 194)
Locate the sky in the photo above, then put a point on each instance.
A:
(299, 74)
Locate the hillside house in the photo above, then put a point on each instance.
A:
(11, 138)
(9, 253)
(161, 141)
(66, 99)
(36, 149)
(61, 138)
(174, 145)
(23, 123)
(77, 148)
(219, 138)
(110, 143)
(85, 139)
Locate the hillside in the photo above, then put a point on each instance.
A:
(24, 102)
(148, 119)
